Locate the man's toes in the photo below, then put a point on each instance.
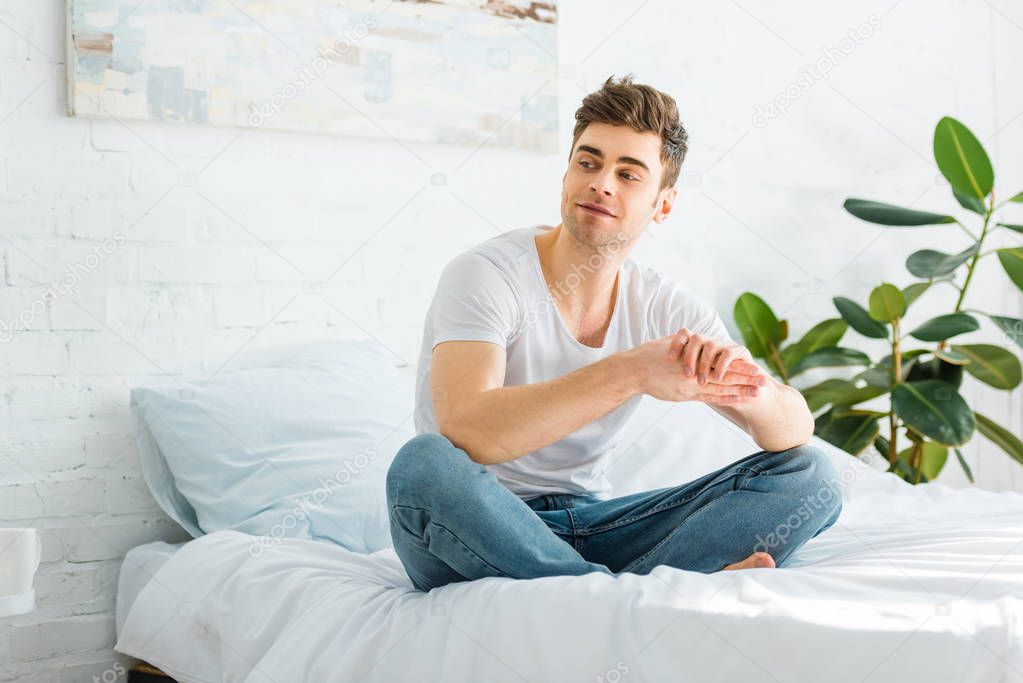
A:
(757, 560)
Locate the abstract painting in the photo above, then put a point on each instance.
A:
(446, 71)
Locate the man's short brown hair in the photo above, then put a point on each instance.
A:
(642, 108)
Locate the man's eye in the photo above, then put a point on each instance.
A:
(585, 164)
(629, 176)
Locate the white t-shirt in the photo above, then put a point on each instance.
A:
(496, 292)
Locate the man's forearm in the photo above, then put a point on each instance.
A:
(509, 422)
(778, 417)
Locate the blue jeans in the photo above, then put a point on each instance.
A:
(452, 520)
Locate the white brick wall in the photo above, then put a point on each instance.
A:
(204, 269)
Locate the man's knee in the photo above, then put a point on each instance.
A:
(426, 463)
(819, 488)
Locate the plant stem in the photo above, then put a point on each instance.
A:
(995, 207)
(892, 452)
(896, 354)
(781, 366)
(917, 447)
(896, 378)
(973, 264)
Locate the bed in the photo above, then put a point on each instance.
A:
(911, 583)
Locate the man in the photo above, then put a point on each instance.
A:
(536, 349)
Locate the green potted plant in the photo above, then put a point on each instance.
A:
(921, 383)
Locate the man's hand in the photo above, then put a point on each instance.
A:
(727, 370)
(701, 356)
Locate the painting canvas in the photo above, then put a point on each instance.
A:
(447, 71)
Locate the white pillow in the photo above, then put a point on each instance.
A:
(293, 443)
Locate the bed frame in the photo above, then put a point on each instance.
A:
(146, 673)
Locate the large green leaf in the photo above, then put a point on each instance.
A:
(846, 411)
(1012, 226)
(970, 203)
(928, 263)
(1011, 327)
(859, 319)
(839, 393)
(889, 214)
(962, 159)
(912, 292)
(875, 376)
(908, 472)
(858, 395)
(880, 374)
(1012, 262)
(830, 357)
(1000, 436)
(934, 409)
(945, 327)
(991, 364)
(906, 355)
(882, 445)
(820, 395)
(932, 457)
(936, 368)
(851, 434)
(951, 356)
(887, 303)
(758, 325)
(825, 333)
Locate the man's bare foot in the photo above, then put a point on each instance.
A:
(754, 561)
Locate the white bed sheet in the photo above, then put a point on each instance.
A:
(138, 568)
(912, 583)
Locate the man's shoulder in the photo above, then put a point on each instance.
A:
(506, 253)
(507, 247)
(499, 266)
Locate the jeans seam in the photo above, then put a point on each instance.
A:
(453, 535)
(576, 538)
(660, 508)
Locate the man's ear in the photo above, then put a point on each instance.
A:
(665, 202)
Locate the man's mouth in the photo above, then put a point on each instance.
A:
(597, 209)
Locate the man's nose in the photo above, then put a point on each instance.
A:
(603, 183)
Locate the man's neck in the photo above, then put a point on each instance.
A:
(582, 278)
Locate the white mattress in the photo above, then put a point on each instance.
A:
(911, 584)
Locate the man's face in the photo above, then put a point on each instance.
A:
(611, 190)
